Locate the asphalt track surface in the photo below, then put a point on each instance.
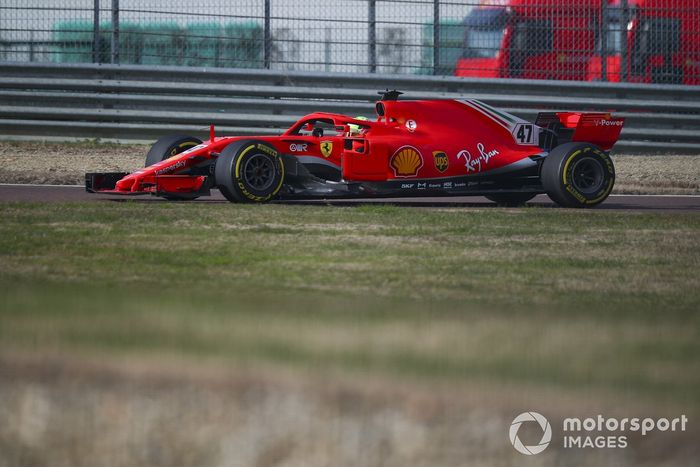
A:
(67, 193)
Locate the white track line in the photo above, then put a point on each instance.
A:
(41, 184)
(655, 196)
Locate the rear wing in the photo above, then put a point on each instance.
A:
(599, 128)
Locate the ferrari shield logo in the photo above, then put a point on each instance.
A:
(326, 148)
(441, 162)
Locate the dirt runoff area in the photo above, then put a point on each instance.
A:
(67, 163)
(133, 412)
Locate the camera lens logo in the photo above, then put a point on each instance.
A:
(546, 433)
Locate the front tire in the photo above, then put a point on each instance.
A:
(249, 172)
(578, 175)
(167, 147)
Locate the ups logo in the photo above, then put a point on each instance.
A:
(441, 162)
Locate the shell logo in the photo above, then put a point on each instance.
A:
(406, 162)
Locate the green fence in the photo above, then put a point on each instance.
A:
(451, 45)
(209, 44)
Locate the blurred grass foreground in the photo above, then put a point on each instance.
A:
(153, 333)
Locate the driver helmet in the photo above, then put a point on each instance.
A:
(355, 128)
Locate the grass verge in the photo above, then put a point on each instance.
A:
(570, 300)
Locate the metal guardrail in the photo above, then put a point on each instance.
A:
(142, 103)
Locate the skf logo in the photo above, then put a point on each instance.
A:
(406, 162)
(326, 148)
(440, 160)
(298, 147)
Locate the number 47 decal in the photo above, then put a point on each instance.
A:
(526, 133)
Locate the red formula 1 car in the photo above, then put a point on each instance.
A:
(414, 148)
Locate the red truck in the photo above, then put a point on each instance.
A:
(530, 39)
(663, 43)
(615, 25)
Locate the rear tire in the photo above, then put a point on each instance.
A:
(578, 175)
(511, 199)
(167, 147)
(249, 172)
